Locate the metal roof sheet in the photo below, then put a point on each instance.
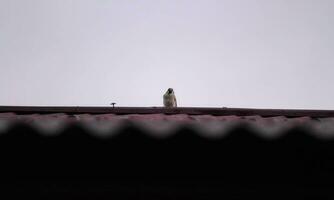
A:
(161, 121)
(213, 150)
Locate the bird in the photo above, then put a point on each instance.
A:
(169, 98)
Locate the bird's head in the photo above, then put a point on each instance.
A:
(170, 91)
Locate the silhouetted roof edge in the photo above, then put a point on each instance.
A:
(158, 110)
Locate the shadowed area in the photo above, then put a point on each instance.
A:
(194, 156)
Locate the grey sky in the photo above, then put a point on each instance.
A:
(233, 53)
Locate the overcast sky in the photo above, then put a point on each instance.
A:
(214, 53)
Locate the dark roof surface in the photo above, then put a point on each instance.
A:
(204, 153)
(209, 122)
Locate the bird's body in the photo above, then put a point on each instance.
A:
(169, 98)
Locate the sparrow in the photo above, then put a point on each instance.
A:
(169, 98)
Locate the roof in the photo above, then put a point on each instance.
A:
(158, 121)
(178, 153)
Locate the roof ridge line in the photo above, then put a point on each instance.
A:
(223, 111)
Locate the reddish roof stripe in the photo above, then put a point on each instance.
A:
(174, 111)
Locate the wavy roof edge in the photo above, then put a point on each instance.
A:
(180, 110)
(174, 130)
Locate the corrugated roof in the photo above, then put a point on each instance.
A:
(208, 122)
(73, 152)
